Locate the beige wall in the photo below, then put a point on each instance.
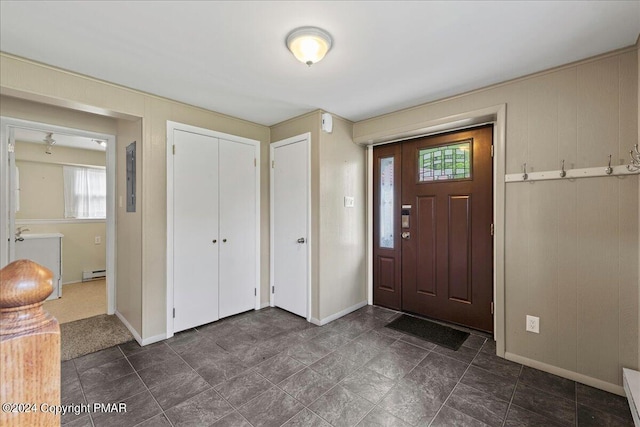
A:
(26, 79)
(338, 258)
(42, 199)
(571, 246)
(129, 229)
(343, 260)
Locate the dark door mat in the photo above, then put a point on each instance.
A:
(430, 331)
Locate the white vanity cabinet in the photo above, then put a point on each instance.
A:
(46, 250)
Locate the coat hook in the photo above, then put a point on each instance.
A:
(609, 169)
(525, 176)
(634, 165)
(563, 173)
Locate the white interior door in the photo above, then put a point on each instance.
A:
(237, 227)
(195, 224)
(290, 213)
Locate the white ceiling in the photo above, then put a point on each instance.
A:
(231, 57)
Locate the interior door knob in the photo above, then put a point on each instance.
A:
(215, 241)
(301, 240)
(224, 240)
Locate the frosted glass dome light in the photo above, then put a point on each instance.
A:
(309, 44)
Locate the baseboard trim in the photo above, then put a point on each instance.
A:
(338, 315)
(153, 339)
(631, 380)
(564, 373)
(129, 327)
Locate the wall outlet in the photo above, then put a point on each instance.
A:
(349, 202)
(533, 324)
(98, 240)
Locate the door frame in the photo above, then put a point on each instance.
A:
(171, 126)
(495, 115)
(7, 124)
(306, 139)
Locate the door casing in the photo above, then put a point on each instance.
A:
(299, 139)
(7, 124)
(496, 115)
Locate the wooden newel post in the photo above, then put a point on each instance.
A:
(29, 347)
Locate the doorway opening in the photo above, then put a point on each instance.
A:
(433, 227)
(59, 194)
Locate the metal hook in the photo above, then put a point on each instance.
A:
(563, 173)
(525, 176)
(609, 169)
(635, 159)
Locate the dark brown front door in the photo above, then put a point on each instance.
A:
(443, 223)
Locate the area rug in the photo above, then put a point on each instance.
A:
(89, 335)
(429, 331)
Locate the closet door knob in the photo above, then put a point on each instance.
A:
(215, 241)
(224, 240)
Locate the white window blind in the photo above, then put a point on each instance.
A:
(85, 192)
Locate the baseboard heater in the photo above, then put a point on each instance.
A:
(92, 275)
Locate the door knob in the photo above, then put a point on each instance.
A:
(406, 235)
(224, 240)
(215, 241)
(301, 240)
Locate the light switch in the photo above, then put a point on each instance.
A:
(97, 240)
(349, 202)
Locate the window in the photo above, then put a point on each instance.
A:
(447, 162)
(386, 202)
(85, 192)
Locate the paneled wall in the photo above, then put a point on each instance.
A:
(571, 247)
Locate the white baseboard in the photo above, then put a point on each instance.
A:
(338, 315)
(153, 339)
(72, 282)
(129, 327)
(631, 380)
(564, 373)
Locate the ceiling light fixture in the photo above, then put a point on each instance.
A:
(100, 142)
(309, 44)
(49, 141)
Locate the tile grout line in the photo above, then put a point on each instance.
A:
(458, 382)
(212, 387)
(84, 396)
(515, 387)
(147, 389)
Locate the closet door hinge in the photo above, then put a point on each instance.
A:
(492, 308)
(255, 292)
(11, 148)
(492, 150)
(255, 162)
(174, 149)
(492, 229)
(174, 312)
(273, 289)
(273, 164)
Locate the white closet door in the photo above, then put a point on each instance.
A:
(290, 201)
(237, 227)
(195, 261)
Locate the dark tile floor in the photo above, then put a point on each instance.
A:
(270, 368)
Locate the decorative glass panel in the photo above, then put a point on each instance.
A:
(386, 202)
(446, 162)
